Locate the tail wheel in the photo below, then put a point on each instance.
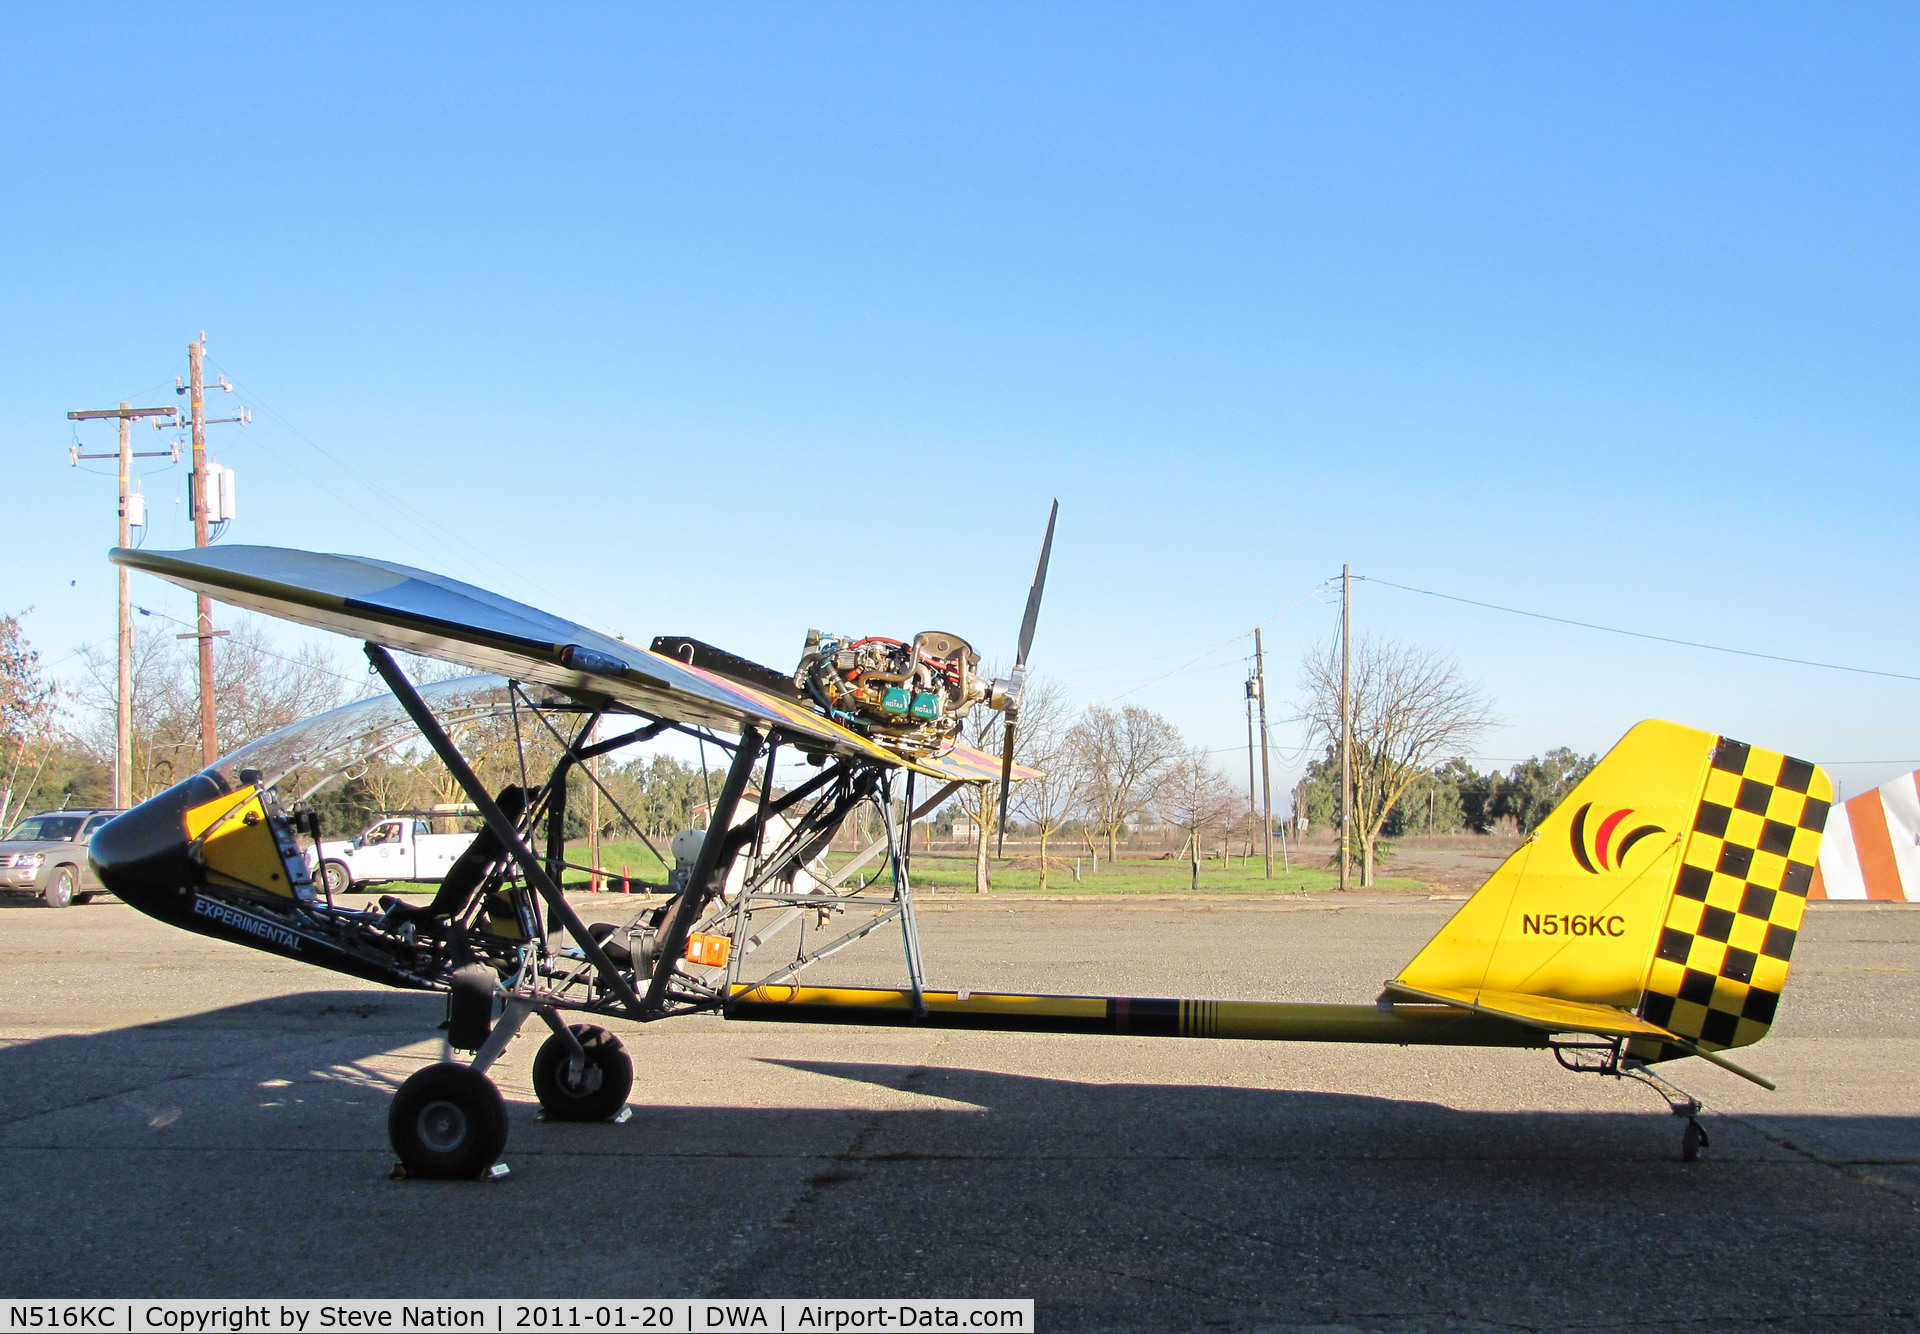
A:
(1692, 1140)
(448, 1121)
(606, 1076)
(59, 890)
(335, 878)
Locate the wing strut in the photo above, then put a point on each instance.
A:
(693, 898)
(503, 828)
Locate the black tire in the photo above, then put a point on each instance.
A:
(59, 890)
(605, 1081)
(334, 877)
(448, 1122)
(1690, 1141)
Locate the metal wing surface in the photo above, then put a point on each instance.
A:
(438, 617)
(968, 765)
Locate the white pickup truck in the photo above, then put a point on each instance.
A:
(390, 849)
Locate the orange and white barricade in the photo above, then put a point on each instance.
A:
(1872, 845)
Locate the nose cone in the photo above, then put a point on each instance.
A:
(141, 857)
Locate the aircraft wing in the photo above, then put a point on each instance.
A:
(438, 617)
(967, 765)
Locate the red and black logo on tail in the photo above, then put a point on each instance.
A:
(1603, 839)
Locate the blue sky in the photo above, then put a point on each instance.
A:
(733, 319)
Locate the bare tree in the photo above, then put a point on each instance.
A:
(259, 687)
(1408, 706)
(1125, 757)
(1045, 742)
(29, 709)
(1196, 797)
(984, 730)
(979, 801)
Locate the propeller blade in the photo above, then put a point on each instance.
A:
(1032, 618)
(1006, 785)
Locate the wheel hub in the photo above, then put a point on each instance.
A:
(443, 1126)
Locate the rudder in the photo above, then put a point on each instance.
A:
(1726, 945)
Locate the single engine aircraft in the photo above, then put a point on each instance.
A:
(1652, 916)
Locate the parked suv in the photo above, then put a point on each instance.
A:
(47, 855)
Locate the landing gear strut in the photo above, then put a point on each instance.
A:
(1609, 1058)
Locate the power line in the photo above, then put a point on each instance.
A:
(418, 516)
(264, 652)
(1310, 593)
(1639, 634)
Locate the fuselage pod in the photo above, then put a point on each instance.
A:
(224, 861)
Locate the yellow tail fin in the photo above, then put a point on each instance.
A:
(1669, 884)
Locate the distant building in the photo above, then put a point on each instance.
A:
(699, 813)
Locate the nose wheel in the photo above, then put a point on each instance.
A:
(448, 1122)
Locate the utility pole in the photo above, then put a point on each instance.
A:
(593, 811)
(125, 414)
(1346, 728)
(1253, 793)
(1266, 771)
(202, 513)
(197, 405)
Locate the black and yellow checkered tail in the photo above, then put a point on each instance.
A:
(1659, 903)
(1723, 952)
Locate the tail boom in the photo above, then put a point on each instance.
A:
(1259, 1021)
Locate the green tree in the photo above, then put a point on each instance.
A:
(1430, 805)
(1537, 785)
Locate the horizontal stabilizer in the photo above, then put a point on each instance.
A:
(1550, 1014)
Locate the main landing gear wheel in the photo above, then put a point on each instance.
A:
(335, 878)
(448, 1121)
(606, 1077)
(1692, 1140)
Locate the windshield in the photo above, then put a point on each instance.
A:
(46, 829)
(307, 755)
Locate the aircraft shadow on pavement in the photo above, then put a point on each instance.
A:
(331, 1036)
(1024, 1115)
(1120, 1205)
(339, 1029)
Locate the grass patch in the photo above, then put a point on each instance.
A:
(943, 871)
(1021, 875)
(1017, 875)
(616, 858)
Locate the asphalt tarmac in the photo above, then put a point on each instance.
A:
(184, 1118)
